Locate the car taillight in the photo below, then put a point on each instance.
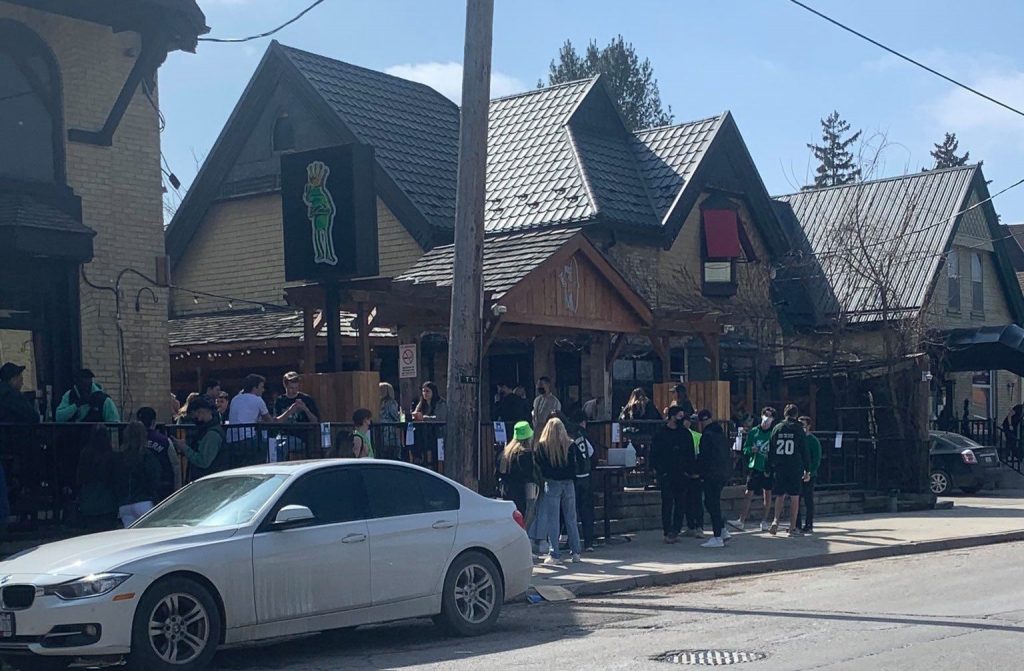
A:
(968, 457)
(518, 517)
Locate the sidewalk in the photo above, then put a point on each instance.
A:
(647, 561)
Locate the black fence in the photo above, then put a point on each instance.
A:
(990, 433)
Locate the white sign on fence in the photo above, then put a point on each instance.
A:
(407, 361)
(440, 449)
(616, 433)
(500, 437)
(839, 440)
(410, 434)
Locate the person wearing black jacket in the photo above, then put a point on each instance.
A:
(715, 465)
(584, 482)
(671, 455)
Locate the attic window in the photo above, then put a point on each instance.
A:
(721, 248)
(284, 134)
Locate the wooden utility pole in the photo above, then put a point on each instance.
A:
(462, 439)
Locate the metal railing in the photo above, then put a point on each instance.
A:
(990, 433)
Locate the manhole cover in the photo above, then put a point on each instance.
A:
(710, 657)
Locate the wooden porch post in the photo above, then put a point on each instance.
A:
(332, 320)
(714, 352)
(364, 336)
(308, 341)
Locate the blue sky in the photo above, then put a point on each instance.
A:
(776, 67)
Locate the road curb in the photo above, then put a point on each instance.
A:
(790, 564)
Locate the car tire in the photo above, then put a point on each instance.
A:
(189, 628)
(972, 490)
(34, 663)
(473, 595)
(940, 483)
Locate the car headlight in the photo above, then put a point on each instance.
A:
(90, 585)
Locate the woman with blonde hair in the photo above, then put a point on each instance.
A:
(518, 473)
(558, 466)
(390, 416)
(183, 413)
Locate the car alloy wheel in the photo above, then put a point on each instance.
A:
(939, 482)
(179, 629)
(475, 594)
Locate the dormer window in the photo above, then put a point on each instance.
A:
(721, 249)
(284, 134)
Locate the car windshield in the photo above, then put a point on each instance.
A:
(213, 502)
(959, 441)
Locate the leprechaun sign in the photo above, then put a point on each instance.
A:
(329, 213)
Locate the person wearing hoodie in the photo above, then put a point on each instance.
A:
(558, 466)
(671, 449)
(87, 402)
(759, 480)
(715, 465)
(14, 407)
(160, 445)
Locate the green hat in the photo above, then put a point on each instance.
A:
(523, 431)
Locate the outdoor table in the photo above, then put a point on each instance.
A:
(607, 473)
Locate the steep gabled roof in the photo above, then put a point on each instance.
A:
(413, 129)
(892, 233)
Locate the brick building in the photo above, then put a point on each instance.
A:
(80, 189)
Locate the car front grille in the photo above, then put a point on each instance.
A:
(18, 597)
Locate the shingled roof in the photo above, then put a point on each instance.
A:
(199, 331)
(508, 258)
(900, 227)
(413, 129)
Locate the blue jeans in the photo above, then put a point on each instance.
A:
(560, 495)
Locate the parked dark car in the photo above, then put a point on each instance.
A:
(957, 462)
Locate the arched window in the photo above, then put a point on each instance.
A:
(284, 134)
(31, 128)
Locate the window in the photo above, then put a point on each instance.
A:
(30, 107)
(977, 285)
(981, 394)
(335, 495)
(721, 249)
(401, 491)
(284, 134)
(953, 281)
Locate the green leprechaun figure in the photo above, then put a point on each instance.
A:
(320, 211)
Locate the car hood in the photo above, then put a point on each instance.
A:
(96, 553)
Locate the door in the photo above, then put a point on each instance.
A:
(414, 517)
(321, 567)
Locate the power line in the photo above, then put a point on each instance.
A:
(236, 40)
(908, 58)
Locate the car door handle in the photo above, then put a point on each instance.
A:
(443, 524)
(354, 538)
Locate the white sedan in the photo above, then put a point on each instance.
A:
(263, 552)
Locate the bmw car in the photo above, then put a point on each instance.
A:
(264, 552)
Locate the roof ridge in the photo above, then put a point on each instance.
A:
(713, 117)
(543, 89)
(363, 68)
(893, 178)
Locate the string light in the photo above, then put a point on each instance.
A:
(195, 299)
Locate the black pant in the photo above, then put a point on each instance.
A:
(585, 508)
(673, 503)
(694, 508)
(713, 502)
(806, 501)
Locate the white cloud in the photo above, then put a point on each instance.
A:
(965, 113)
(446, 78)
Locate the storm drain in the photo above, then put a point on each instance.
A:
(710, 657)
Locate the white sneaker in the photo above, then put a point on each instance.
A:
(714, 542)
(576, 559)
(552, 561)
(738, 525)
(699, 533)
(764, 526)
(726, 535)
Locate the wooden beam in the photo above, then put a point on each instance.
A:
(308, 341)
(714, 352)
(490, 334)
(332, 315)
(362, 317)
(616, 349)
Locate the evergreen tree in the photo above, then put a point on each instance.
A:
(945, 153)
(837, 164)
(630, 80)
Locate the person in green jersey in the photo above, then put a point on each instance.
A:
(362, 441)
(807, 493)
(759, 481)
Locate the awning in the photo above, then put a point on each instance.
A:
(34, 225)
(986, 348)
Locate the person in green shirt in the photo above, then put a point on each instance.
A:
(694, 489)
(755, 448)
(206, 452)
(807, 495)
(362, 441)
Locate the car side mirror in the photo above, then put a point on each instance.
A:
(291, 516)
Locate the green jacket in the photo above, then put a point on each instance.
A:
(756, 447)
(207, 450)
(696, 441)
(814, 450)
(75, 409)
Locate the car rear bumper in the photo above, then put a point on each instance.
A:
(517, 565)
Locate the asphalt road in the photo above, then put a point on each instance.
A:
(953, 610)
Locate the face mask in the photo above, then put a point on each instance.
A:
(766, 422)
(541, 391)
